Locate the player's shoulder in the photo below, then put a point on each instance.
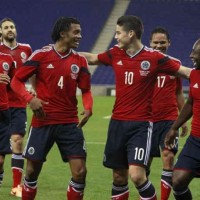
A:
(5, 55)
(41, 52)
(150, 50)
(77, 54)
(24, 45)
(174, 59)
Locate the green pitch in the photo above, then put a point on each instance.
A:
(53, 180)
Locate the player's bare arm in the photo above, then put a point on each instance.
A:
(4, 78)
(184, 72)
(180, 102)
(91, 58)
(185, 115)
(87, 104)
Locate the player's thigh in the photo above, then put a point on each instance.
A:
(71, 142)
(5, 147)
(139, 143)
(189, 157)
(115, 153)
(39, 142)
(18, 121)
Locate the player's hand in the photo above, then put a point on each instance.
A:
(86, 115)
(170, 139)
(36, 105)
(184, 130)
(4, 78)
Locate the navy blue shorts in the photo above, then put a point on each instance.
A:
(18, 121)
(68, 137)
(189, 157)
(5, 146)
(128, 143)
(160, 130)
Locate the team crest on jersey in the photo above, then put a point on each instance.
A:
(145, 65)
(74, 69)
(5, 66)
(23, 55)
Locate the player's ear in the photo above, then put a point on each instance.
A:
(131, 33)
(169, 42)
(62, 34)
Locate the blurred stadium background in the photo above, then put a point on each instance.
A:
(35, 19)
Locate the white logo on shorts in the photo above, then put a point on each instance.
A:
(104, 159)
(31, 150)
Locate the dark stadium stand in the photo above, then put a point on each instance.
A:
(181, 18)
(35, 18)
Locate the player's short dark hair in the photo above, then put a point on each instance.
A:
(62, 24)
(160, 30)
(5, 20)
(131, 22)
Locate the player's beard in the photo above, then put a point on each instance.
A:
(9, 39)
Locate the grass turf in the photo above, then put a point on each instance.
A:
(55, 175)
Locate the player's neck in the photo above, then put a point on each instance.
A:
(61, 48)
(10, 43)
(134, 48)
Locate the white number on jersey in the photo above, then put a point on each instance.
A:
(129, 78)
(161, 81)
(60, 82)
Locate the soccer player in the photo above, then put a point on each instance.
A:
(168, 98)
(6, 64)
(20, 52)
(129, 134)
(59, 71)
(187, 165)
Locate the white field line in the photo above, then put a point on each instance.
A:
(107, 117)
(101, 143)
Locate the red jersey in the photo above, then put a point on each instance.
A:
(57, 79)
(6, 64)
(194, 94)
(135, 79)
(164, 104)
(20, 54)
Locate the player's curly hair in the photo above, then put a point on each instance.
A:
(62, 24)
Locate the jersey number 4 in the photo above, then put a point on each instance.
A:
(60, 82)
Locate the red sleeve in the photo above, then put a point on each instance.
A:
(167, 65)
(19, 87)
(105, 58)
(84, 79)
(87, 100)
(22, 75)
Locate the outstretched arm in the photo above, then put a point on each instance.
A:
(91, 58)
(184, 72)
